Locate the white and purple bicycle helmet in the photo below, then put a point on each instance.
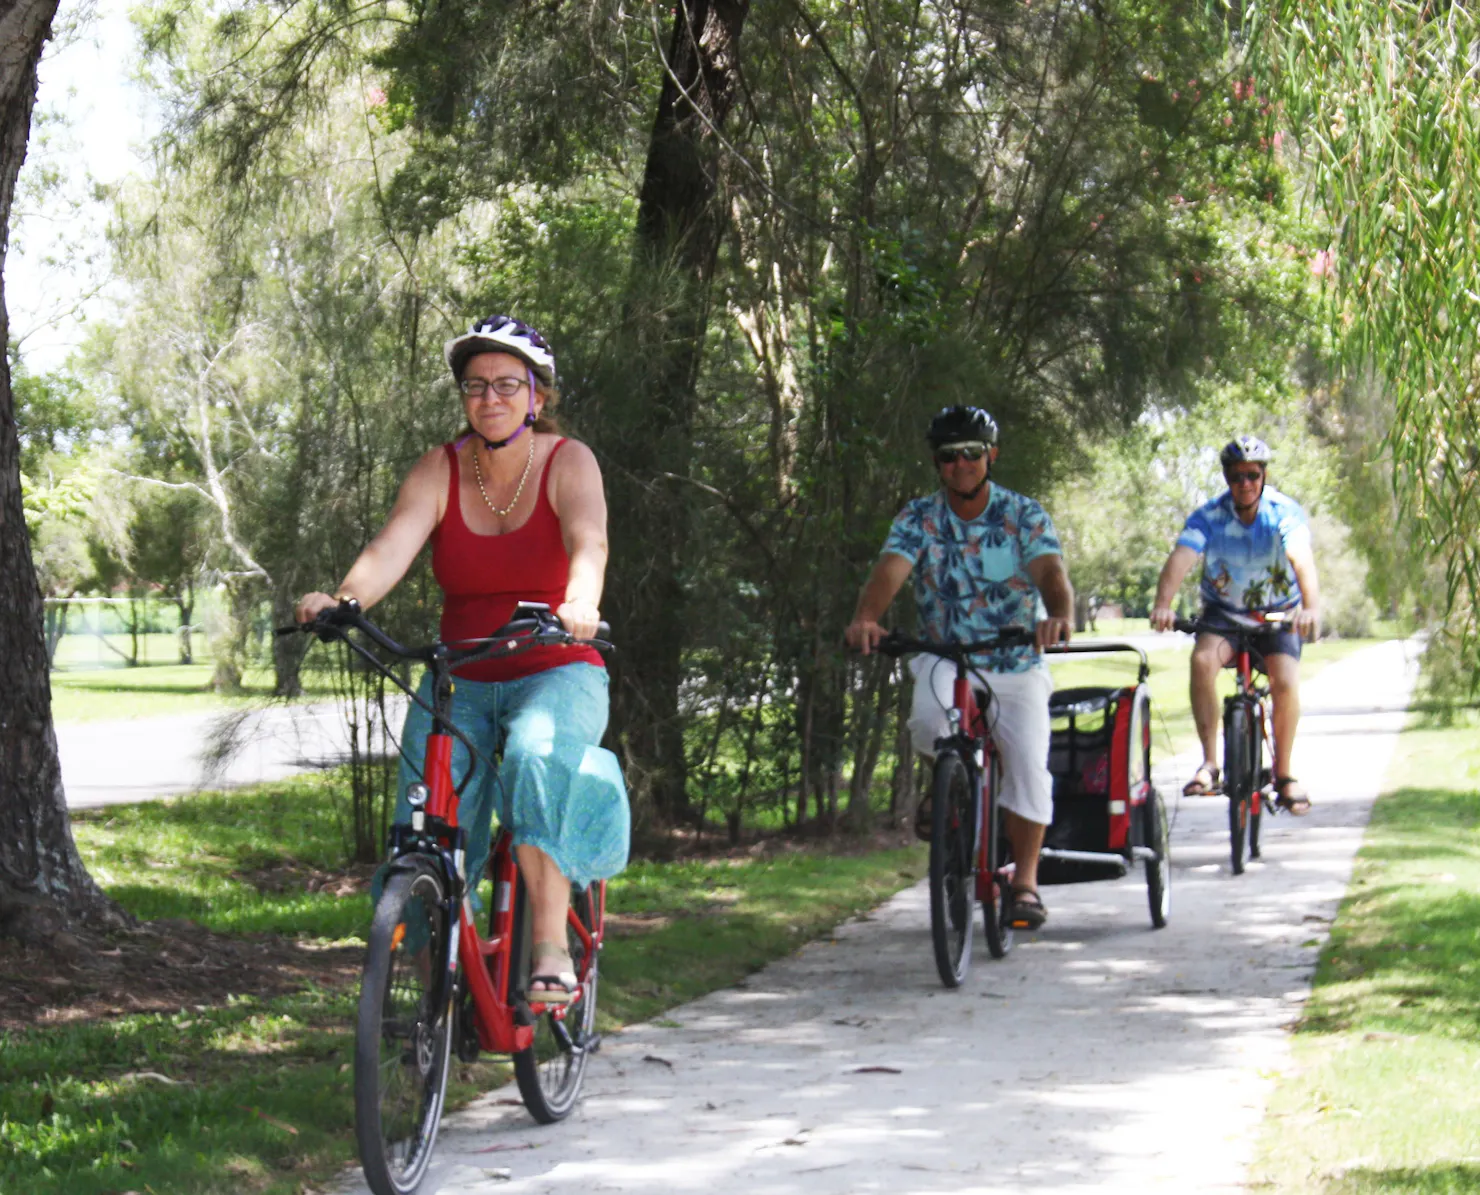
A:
(502, 334)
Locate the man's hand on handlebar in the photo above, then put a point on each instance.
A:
(1051, 631)
(1307, 624)
(863, 635)
(1163, 618)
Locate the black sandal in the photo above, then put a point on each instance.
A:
(1296, 803)
(1204, 782)
(1027, 909)
(552, 968)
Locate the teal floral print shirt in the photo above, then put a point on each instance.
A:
(970, 579)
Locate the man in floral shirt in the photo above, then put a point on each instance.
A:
(983, 559)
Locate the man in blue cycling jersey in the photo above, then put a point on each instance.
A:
(1256, 550)
(983, 559)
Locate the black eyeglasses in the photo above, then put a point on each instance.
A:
(1244, 476)
(970, 452)
(503, 387)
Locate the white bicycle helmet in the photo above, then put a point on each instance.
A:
(1245, 448)
(502, 334)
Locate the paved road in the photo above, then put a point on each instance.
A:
(105, 763)
(1099, 1056)
(113, 762)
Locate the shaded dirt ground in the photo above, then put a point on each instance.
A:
(162, 966)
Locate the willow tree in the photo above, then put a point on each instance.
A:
(1385, 95)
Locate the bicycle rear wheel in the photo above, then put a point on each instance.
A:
(1237, 779)
(403, 1032)
(1159, 869)
(952, 875)
(550, 1072)
(996, 904)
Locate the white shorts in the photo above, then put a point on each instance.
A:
(1018, 717)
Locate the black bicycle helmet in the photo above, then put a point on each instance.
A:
(1246, 448)
(960, 425)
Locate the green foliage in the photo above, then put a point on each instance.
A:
(1384, 97)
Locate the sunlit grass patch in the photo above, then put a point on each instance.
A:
(1383, 1094)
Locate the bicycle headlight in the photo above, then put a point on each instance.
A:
(416, 795)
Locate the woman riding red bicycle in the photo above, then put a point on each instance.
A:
(515, 511)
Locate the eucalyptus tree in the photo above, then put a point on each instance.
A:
(43, 881)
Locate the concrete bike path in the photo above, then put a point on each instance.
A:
(1100, 1055)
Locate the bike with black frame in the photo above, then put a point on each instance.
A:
(1247, 736)
(432, 985)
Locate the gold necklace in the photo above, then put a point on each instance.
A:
(523, 477)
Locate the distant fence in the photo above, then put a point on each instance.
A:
(110, 632)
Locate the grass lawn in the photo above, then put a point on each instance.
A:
(156, 690)
(1384, 1091)
(249, 1094)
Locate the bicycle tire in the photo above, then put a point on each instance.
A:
(1159, 869)
(403, 1031)
(996, 908)
(550, 1072)
(1256, 783)
(952, 874)
(1237, 781)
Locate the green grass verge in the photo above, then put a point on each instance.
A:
(1382, 1094)
(158, 690)
(254, 1095)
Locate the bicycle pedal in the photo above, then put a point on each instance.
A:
(592, 1044)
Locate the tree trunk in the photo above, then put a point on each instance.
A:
(650, 412)
(43, 883)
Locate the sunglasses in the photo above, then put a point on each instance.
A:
(1244, 476)
(949, 456)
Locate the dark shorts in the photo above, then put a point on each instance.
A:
(1285, 641)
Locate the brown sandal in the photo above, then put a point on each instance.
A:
(1204, 782)
(1296, 802)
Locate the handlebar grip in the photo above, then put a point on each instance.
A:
(603, 630)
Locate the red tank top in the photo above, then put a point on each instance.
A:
(483, 577)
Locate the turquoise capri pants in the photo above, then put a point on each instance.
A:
(556, 789)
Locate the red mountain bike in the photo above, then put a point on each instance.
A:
(970, 860)
(432, 984)
(1247, 737)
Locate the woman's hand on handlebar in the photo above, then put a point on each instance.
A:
(863, 635)
(581, 618)
(311, 605)
(1052, 631)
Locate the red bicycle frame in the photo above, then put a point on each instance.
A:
(486, 962)
(974, 724)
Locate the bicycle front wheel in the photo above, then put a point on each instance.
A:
(550, 1072)
(1256, 781)
(997, 894)
(952, 875)
(403, 1032)
(1237, 778)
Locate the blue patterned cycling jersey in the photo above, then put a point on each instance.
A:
(969, 576)
(1247, 568)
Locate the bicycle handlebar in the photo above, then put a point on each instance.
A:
(539, 628)
(1246, 624)
(896, 643)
